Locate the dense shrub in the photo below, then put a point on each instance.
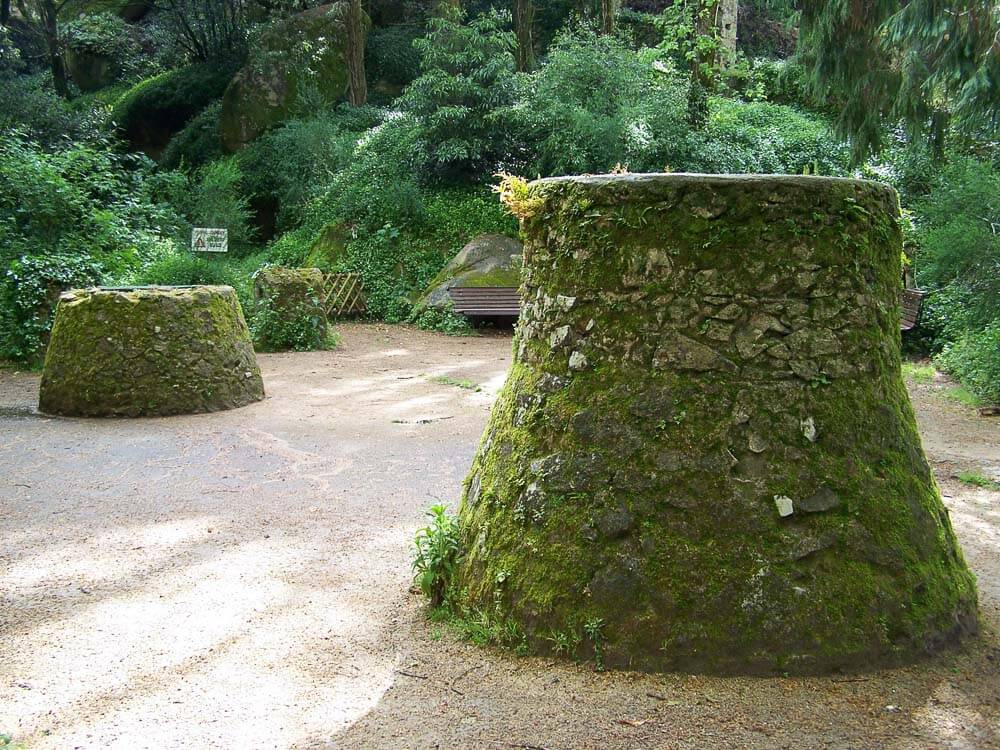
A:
(974, 358)
(77, 216)
(152, 111)
(103, 34)
(210, 197)
(197, 143)
(29, 104)
(595, 104)
(958, 229)
(293, 164)
(302, 328)
(390, 56)
(765, 138)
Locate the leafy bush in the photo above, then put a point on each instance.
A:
(975, 360)
(466, 82)
(29, 104)
(436, 553)
(198, 143)
(390, 56)
(302, 328)
(765, 138)
(156, 108)
(443, 320)
(293, 164)
(211, 197)
(595, 104)
(73, 217)
(104, 34)
(958, 230)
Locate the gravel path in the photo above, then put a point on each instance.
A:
(239, 580)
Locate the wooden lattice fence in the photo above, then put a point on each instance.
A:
(343, 294)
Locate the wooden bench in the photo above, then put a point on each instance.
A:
(486, 301)
(911, 302)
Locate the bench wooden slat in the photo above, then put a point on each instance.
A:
(505, 301)
(911, 301)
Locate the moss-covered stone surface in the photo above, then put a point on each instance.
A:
(704, 457)
(149, 351)
(290, 290)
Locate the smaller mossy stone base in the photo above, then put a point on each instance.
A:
(290, 292)
(704, 457)
(149, 351)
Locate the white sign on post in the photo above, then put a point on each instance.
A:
(209, 240)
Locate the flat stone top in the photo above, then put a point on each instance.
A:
(681, 179)
(145, 292)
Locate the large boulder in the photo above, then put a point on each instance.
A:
(489, 260)
(304, 53)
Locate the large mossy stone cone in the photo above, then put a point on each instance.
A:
(704, 457)
(149, 351)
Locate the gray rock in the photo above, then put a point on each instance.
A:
(489, 260)
(821, 500)
(682, 353)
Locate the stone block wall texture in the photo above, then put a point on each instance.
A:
(704, 457)
(149, 351)
(290, 291)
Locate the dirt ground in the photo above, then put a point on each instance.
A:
(240, 580)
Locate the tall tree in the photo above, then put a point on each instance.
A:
(357, 85)
(929, 64)
(524, 22)
(609, 14)
(43, 17)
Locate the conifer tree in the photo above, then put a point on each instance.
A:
(929, 64)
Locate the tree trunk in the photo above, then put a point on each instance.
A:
(50, 30)
(609, 9)
(726, 17)
(524, 20)
(357, 85)
(4, 12)
(702, 63)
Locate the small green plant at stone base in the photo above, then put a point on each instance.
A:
(435, 554)
(592, 628)
(919, 373)
(977, 480)
(7, 743)
(466, 384)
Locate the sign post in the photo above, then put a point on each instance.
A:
(205, 240)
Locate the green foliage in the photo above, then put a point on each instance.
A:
(390, 56)
(466, 82)
(919, 373)
(7, 743)
(211, 197)
(198, 143)
(104, 34)
(29, 104)
(463, 383)
(166, 102)
(765, 138)
(67, 218)
(925, 63)
(301, 328)
(295, 163)
(975, 360)
(595, 104)
(435, 554)
(958, 230)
